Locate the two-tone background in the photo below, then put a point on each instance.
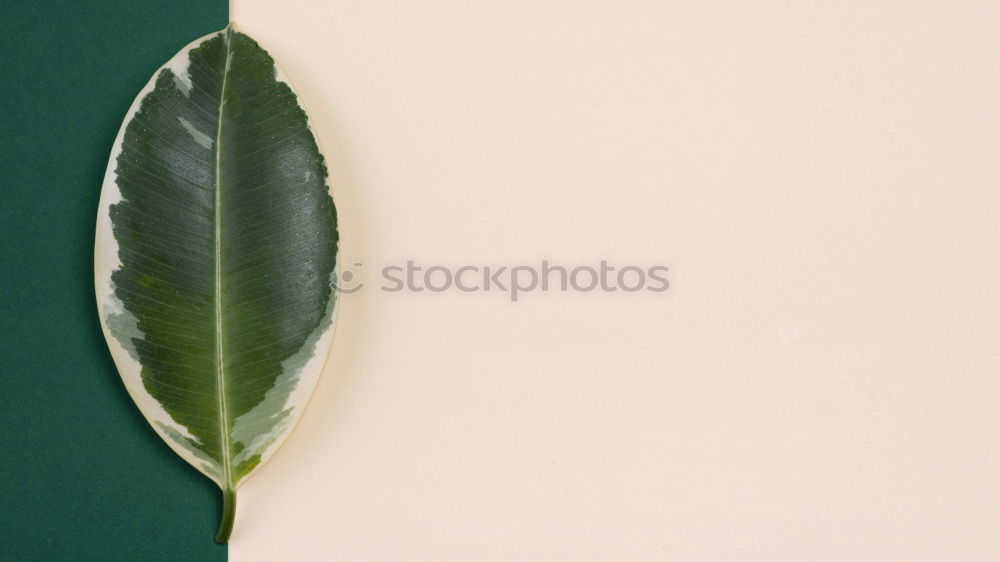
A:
(820, 382)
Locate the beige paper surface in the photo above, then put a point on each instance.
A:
(820, 381)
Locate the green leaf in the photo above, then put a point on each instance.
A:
(215, 258)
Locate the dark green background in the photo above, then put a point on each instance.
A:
(82, 476)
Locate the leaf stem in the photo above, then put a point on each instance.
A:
(228, 516)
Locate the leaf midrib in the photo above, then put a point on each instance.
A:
(220, 375)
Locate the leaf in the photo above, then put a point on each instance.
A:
(215, 258)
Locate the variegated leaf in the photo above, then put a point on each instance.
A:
(215, 258)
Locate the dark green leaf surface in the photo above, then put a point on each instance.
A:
(215, 257)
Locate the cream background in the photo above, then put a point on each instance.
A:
(820, 383)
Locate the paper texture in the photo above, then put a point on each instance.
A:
(820, 380)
